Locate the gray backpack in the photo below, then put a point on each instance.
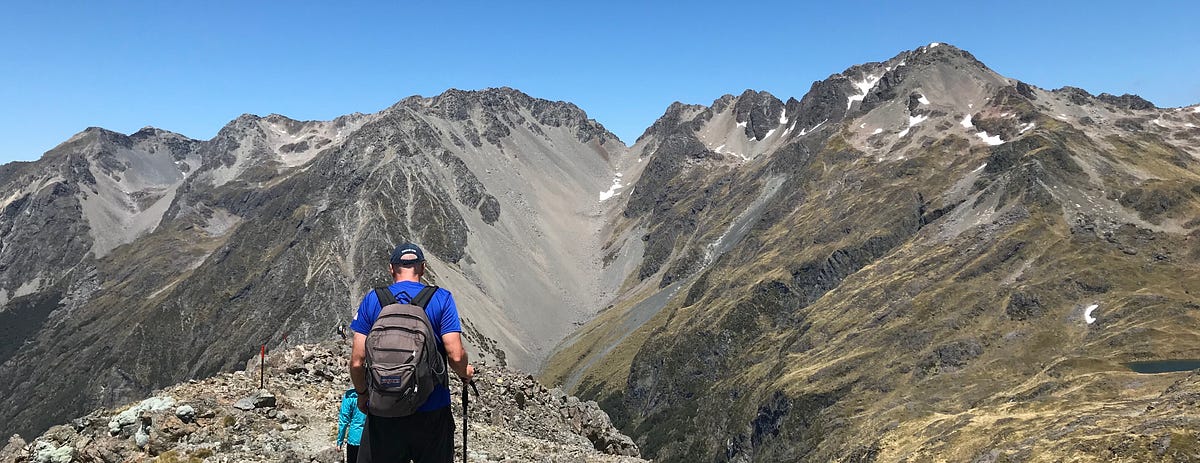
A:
(404, 363)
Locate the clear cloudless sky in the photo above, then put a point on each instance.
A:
(192, 66)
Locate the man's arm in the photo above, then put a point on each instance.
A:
(358, 369)
(456, 356)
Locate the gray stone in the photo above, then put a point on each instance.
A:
(246, 403)
(141, 438)
(262, 399)
(185, 413)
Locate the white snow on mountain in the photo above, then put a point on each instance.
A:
(612, 191)
(992, 140)
(1087, 314)
(864, 86)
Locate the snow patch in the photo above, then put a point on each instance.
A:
(934, 44)
(768, 135)
(912, 121)
(616, 185)
(977, 169)
(814, 129)
(741, 124)
(1196, 109)
(992, 140)
(783, 117)
(970, 105)
(966, 122)
(923, 100)
(864, 86)
(1087, 314)
(1189, 125)
(1027, 127)
(877, 131)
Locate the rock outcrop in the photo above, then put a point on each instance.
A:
(227, 418)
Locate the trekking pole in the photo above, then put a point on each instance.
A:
(464, 404)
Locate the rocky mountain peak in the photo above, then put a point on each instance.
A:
(1079, 96)
(508, 107)
(760, 111)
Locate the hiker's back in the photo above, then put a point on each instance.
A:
(403, 359)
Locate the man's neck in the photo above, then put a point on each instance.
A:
(412, 278)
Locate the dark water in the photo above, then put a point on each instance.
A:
(1164, 366)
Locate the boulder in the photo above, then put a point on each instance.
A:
(262, 399)
(185, 413)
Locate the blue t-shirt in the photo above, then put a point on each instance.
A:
(443, 315)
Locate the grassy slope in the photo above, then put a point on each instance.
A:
(933, 330)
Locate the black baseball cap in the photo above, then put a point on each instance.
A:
(407, 249)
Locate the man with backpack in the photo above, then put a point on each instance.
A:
(404, 335)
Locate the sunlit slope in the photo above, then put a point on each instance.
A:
(951, 254)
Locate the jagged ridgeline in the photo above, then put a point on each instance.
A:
(919, 259)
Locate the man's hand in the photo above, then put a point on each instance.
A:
(362, 402)
(470, 374)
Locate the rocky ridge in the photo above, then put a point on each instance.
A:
(226, 418)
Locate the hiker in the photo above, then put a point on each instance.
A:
(350, 425)
(427, 433)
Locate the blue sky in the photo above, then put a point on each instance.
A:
(191, 67)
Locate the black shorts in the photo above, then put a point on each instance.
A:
(423, 437)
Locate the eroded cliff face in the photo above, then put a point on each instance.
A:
(133, 262)
(915, 254)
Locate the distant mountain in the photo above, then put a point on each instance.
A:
(919, 260)
(132, 262)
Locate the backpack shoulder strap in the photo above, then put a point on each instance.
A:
(423, 297)
(385, 296)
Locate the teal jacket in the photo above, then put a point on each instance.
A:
(350, 419)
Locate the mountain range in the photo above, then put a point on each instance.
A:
(918, 259)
